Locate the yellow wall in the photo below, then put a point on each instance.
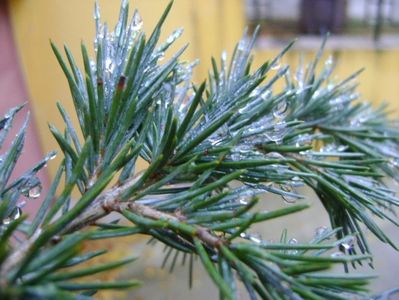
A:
(379, 81)
(210, 26)
(69, 22)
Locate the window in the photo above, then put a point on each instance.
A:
(285, 18)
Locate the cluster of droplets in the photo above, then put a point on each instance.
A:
(363, 117)
(184, 71)
(327, 150)
(343, 101)
(31, 188)
(271, 127)
(32, 192)
(280, 111)
(388, 149)
(115, 46)
(361, 181)
(240, 58)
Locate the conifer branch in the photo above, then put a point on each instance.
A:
(213, 151)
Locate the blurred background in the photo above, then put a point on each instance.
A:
(364, 33)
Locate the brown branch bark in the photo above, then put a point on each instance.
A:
(104, 204)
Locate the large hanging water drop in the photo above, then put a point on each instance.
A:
(16, 214)
(35, 192)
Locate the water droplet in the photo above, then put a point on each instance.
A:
(296, 182)
(275, 155)
(21, 204)
(256, 238)
(254, 93)
(242, 45)
(303, 139)
(289, 199)
(278, 132)
(96, 11)
(161, 56)
(236, 156)
(276, 66)
(93, 66)
(118, 29)
(215, 141)
(16, 214)
(243, 200)
(224, 56)
(394, 162)
(280, 110)
(35, 191)
(298, 77)
(338, 101)
(124, 3)
(52, 156)
(174, 36)
(137, 21)
(320, 231)
(329, 61)
(337, 254)
(109, 66)
(348, 243)
(265, 95)
(293, 241)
